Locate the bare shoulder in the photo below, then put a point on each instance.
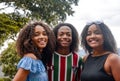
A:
(85, 57)
(31, 55)
(114, 59)
(114, 63)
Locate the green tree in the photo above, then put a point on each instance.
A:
(48, 10)
(9, 60)
(51, 11)
(10, 24)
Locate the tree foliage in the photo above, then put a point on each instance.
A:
(9, 60)
(51, 11)
(48, 10)
(10, 24)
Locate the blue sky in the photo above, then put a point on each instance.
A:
(90, 10)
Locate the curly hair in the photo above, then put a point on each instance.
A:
(25, 44)
(75, 37)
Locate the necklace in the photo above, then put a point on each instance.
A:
(101, 54)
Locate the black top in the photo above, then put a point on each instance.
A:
(93, 69)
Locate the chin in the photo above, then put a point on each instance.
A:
(93, 45)
(42, 46)
(65, 46)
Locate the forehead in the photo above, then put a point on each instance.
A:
(39, 28)
(93, 27)
(64, 29)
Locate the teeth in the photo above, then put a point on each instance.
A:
(92, 41)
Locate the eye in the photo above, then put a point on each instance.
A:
(60, 34)
(68, 34)
(36, 34)
(44, 33)
(97, 32)
(88, 33)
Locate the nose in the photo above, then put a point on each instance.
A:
(41, 36)
(93, 35)
(64, 36)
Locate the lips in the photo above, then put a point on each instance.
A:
(93, 41)
(65, 43)
(41, 42)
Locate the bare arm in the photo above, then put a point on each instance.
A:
(115, 67)
(21, 75)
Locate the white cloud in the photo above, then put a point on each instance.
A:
(106, 10)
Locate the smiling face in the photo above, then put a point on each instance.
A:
(94, 37)
(40, 37)
(64, 37)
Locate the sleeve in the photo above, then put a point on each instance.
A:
(30, 64)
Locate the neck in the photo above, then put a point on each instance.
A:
(63, 51)
(41, 50)
(99, 52)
